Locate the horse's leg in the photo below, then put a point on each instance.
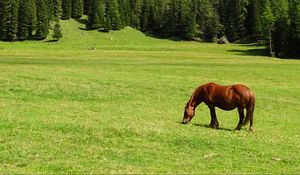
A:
(250, 115)
(242, 116)
(214, 121)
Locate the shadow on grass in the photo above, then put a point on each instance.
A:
(81, 21)
(52, 41)
(207, 126)
(252, 52)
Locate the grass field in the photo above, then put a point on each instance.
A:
(104, 103)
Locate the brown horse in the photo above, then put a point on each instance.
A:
(224, 97)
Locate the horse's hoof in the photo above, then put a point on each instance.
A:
(237, 129)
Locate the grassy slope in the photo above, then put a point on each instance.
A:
(111, 103)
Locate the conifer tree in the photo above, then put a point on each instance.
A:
(268, 21)
(42, 27)
(57, 33)
(57, 9)
(253, 20)
(235, 18)
(77, 9)
(96, 15)
(293, 41)
(86, 6)
(136, 12)
(66, 9)
(1, 16)
(9, 20)
(112, 13)
(25, 19)
(123, 12)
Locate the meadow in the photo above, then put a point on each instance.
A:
(107, 103)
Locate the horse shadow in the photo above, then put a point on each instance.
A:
(207, 126)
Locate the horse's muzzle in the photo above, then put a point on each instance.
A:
(184, 122)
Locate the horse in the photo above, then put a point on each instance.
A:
(224, 97)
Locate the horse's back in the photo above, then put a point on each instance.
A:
(228, 97)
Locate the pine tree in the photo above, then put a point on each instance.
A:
(136, 12)
(66, 9)
(57, 9)
(113, 15)
(267, 22)
(25, 19)
(42, 20)
(9, 20)
(253, 20)
(86, 6)
(293, 41)
(124, 12)
(235, 18)
(57, 33)
(77, 9)
(190, 27)
(96, 15)
(1, 16)
(50, 9)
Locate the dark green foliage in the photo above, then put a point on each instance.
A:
(42, 27)
(124, 10)
(86, 6)
(57, 9)
(77, 9)
(136, 12)
(96, 15)
(26, 19)
(57, 33)
(267, 23)
(66, 9)
(236, 12)
(1, 16)
(207, 19)
(253, 20)
(293, 40)
(9, 21)
(112, 15)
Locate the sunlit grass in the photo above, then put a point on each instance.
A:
(112, 103)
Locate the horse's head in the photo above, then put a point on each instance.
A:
(189, 113)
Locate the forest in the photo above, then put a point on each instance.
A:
(273, 23)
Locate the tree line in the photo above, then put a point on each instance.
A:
(275, 23)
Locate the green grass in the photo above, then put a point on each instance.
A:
(102, 103)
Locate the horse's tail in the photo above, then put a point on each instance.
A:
(250, 108)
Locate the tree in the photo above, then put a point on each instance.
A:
(42, 28)
(57, 9)
(66, 9)
(293, 41)
(136, 12)
(25, 19)
(267, 22)
(57, 33)
(124, 10)
(96, 15)
(253, 20)
(9, 20)
(77, 9)
(112, 14)
(235, 18)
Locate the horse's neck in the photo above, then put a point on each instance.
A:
(195, 99)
